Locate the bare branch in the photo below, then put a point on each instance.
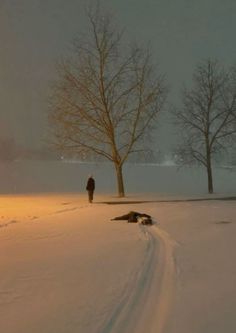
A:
(107, 96)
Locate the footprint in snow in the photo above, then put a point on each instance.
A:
(6, 224)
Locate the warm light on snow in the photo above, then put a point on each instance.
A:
(65, 267)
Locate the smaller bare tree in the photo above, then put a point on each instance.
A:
(107, 97)
(207, 118)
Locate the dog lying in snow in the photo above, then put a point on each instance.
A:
(133, 217)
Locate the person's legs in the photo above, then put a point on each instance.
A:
(122, 217)
(131, 215)
(90, 196)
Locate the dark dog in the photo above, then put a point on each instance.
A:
(134, 217)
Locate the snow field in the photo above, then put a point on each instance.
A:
(66, 268)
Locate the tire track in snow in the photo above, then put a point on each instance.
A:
(123, 314)
(167, 282)
(146, 301)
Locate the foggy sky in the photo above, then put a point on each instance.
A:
(35, 33)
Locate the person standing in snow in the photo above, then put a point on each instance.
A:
(90, 188)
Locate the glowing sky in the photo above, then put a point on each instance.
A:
(34, 33)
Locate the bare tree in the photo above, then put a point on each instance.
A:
(107, 96)
(207, 118)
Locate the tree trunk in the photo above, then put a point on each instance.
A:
(209, 174)
(120, 182)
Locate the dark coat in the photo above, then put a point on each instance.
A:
(90, 184)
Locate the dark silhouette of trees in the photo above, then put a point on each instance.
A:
(207, 117)
(9, 150)
(107, 96)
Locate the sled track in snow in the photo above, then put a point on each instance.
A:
(146, 301)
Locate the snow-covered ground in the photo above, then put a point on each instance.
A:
(66, 268)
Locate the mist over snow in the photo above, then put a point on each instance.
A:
(71, 176)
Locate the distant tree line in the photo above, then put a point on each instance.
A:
(9, 150)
